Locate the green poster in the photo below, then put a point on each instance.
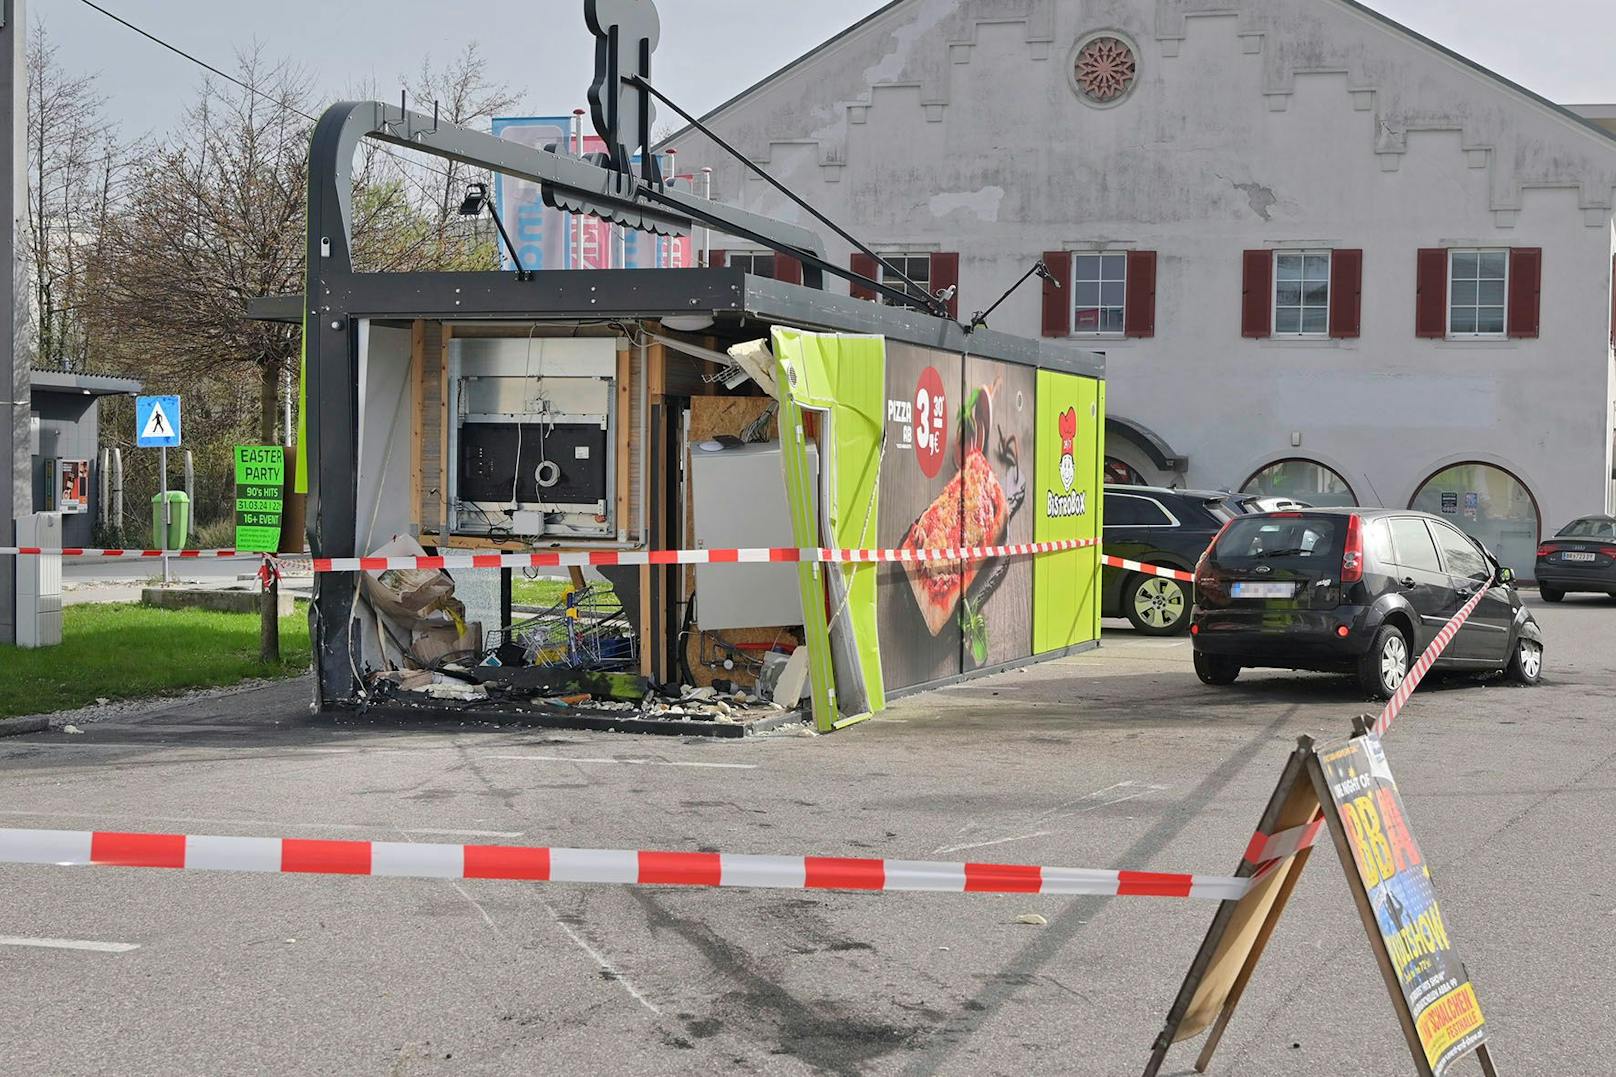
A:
(260, 482)
(842, 378)
(1067, 496)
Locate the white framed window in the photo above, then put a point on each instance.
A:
(917, 267)
(757, 263)
(1478, 291)
(1099, 293)
(1301, 293)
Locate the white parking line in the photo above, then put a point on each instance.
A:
(70, 944)
(625, 762)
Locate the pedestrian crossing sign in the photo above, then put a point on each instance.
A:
(157, 422)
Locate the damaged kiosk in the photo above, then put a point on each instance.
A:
(520, 414)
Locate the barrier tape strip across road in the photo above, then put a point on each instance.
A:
(1266, 848)
(1417, 672)
(581, 559)
(299, 856)
(1149, 570)
(131, 555)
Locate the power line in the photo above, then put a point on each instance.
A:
(177, 51)
(255, 91)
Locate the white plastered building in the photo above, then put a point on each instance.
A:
(1325, 256)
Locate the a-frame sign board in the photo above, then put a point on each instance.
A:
(1348, 787)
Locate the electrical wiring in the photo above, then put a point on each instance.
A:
(255, 91)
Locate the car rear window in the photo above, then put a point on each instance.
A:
(1289, 541)
(1590, 528)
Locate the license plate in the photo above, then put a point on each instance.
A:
(1264, 590)
(1575, 556)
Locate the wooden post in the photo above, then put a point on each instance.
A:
(625, 424)
(443, 438)
(417, 420)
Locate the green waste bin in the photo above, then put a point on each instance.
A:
(179, 520)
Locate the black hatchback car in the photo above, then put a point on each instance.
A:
(1359, 591)
(1582, 557)
(1166, 528)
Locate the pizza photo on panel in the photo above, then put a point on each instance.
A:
(922, 492)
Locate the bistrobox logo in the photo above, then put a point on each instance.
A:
(1071, 503)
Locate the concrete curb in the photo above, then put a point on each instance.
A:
(15, 727)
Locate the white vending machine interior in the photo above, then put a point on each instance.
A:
(739, 495)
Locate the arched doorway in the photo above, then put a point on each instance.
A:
(1302, 480)
(1491, 506)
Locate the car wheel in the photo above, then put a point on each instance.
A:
(1526, 663)
(1216, 669)
(1384, 667)
(1550, 594)
(1157, 606)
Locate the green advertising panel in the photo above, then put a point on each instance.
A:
(840, 377)
(260, 479)
(1067, 503)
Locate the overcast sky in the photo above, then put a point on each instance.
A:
(710, 49)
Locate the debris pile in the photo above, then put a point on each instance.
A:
(573, 659)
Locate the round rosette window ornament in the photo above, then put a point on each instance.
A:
(1105, 69)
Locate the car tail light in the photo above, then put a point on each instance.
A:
(1206, 555)
(1548, 549)
(1352, 556)
(1343, 631)
(1608, 551)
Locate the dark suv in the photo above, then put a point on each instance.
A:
(1167, 528)
(1361, 591)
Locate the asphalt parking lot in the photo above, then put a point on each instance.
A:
(1115, 759)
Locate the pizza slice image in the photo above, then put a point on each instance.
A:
(971, 511)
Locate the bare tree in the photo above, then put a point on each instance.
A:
(467, 97)
(216, 216)
(75, 170)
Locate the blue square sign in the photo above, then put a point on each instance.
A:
(157, 422)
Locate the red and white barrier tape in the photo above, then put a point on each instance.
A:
(131, 555)
(1149, 570)
(1416, 674)
(760, 555)
(581, 559)
(1266, 848)
(66, 848)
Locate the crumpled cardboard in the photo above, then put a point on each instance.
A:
(434, 640)
(419, 619)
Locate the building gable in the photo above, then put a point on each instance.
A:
(912, 58)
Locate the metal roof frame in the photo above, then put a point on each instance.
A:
(61, 381)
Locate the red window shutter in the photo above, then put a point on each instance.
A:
(1431, 293)
(1346, 293)
(717, 259)
(864, 266)
(1058, 301)
(1257, 299)
(1525, 291)
(787, 270)
(1139, 304)
(945, 275)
